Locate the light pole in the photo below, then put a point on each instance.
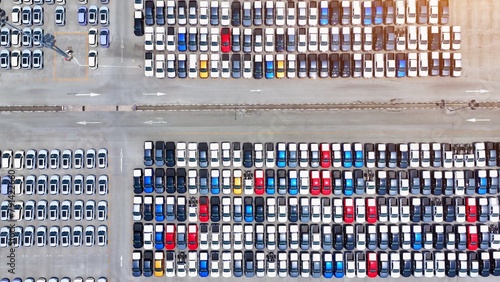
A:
(47, 41)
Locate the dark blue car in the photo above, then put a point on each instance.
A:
(323, 16)
(293, 188)
(181, 41)
(248, 209)
(159, 212)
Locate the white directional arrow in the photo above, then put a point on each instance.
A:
(88, 122)
(255, 90)
(478, 120)
(155, 122)
(478, 91)
(87, 94)
(154, 94)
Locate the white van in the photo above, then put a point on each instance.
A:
(193, 66)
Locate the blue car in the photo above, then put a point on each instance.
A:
(293, 188)
(281, 158)
(269, 68)
(416, 240)
(327, 265)
(214, 183)
(367, 15)
(270, 182)
(346, 156)
(159, 212)
(348, 184)
(203, 264)
(248, 209)
(323, 16)
(159, 239)
(379, 12)
(482, 183)
(400, 65)
(358, 155)
(148, 180)
(181, 41)
(339, 266)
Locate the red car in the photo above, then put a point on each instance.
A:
(225, 40)
(170, 237)
(204, 213)
(325, 155)
(348, 210)
(259, 181)
(371, 210)
(326, 182)
(314, 182)
(470, 210)
(372, 265)
(472, 240)
(192, 237)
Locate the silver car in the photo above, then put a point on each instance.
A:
(38, 15)
(38, 59)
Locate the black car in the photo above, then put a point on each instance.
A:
(334, 65)
(406, 266)
(138, 233)
(170, 180)
(346, 65)
(181, 210)
(304, 239)
(378, 38)
(484, 264)
(334, 12)
(148, 211)
(214, 208)
(236, 65)
(203, 154)
(247, 155)
(257, 67)
(181, 180)
(160, 16)
(138, 182)
(138, 24)
(148, 263)
(236, 13)
(491, 154)
(422, 11)
(392, 158)
(259, 209)
(170, 154)
(338, 237)
(280, 42)
(415, 184)
(137, 264)
(159, 180)
(359, 181)
(150, 12)
(449, 209)
(389, 38)
(249, 266)
(444, 12)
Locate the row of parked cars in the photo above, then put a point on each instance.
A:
(325, 155)
(55, 279)
(93, 15)
(53, 236)
(302, 40)
(315, 264)
(25, 59)
(55, 211)
(55, 185)
(291, 13)
(315, 237)
(316, 182)
(42, 159)
(304, 209)
(312, 66)
(26, 37)
(28, 16)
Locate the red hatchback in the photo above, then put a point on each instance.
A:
(204, 213)
(192, 237)
(170, 237)
(472, 239)
(326, 182)
(371, 210)
(225, 40)
(325, 155)
(259, 181)
(315, 182)
(372, 265)
(348, 210)
(470, 210)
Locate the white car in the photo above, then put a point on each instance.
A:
(456, 37)
(356, 12)
(280, 13)
(290, 14)
(148, 38)
(412, 65)
(379, 71)
(302, 13)
(214, 40)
